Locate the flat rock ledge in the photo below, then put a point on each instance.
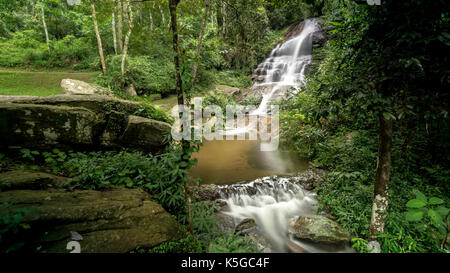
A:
(111, 221)
(78, 121)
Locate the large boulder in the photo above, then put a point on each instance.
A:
(76, 87)
(112, 221)
(19, 180)
(318, 229)
(78, 121)
(95, 103)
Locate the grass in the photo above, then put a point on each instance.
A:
(43, 83)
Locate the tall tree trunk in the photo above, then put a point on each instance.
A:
(224, 19)
(119, 24)
(47, 38)
(151, 17)
(99, 40)
(127, 37)
(173, 26)
(163, 17)
(380, 196)
(199, 43)
(113, 21)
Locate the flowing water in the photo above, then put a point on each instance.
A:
(272, 203)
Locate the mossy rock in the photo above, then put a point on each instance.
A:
(112, 221)
(318, 229)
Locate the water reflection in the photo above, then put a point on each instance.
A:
(231, 161)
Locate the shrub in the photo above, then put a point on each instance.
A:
(148, 75)
(162, 175)
(233, 243)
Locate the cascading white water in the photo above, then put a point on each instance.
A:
(271, 203)
(285, 67)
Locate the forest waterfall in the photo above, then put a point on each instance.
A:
(272, 201)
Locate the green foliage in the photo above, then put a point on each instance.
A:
(430, 211)
(147, 74)
(10, 225)
(233, 243)
(26, 50)
(153, 112)
(163, 176)
(373, 65)
(186, 245)
(219, 99)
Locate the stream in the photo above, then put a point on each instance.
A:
(273, 197)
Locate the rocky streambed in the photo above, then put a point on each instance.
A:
(278, 213)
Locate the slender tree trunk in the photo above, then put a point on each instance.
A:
(127, 37)
(199, 43)
(151, 17)
(99, 40)
(380, 196)
(119, 24)
(114, 32)
(173, 26)
(224, 19)
(47, 38)
(163, 17)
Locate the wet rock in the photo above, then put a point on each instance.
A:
(318, 229)
(245, 225)
(113, 221)
(225, 222)
(294, 248)
(205, 192)
(76, 87)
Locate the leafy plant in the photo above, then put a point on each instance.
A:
(233, 243)
(421, 208)
(10, 224)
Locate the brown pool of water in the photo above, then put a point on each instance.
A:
(232, 161)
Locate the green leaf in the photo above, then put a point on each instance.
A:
(416, 203)
(414, 215)
(435, 217)
(420, 195)
(435, 201)
(442, 211)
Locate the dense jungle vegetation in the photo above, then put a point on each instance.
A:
(374, 112)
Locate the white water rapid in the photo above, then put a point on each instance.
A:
(285, 68)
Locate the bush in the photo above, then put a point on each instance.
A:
(186, 245)
(162, 175)
(25, 50)
(233, 243)
(148, 75)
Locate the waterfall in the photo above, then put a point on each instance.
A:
(285, 68)
(273, 201)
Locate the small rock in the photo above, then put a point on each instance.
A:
(245, 224)
(130, 90)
